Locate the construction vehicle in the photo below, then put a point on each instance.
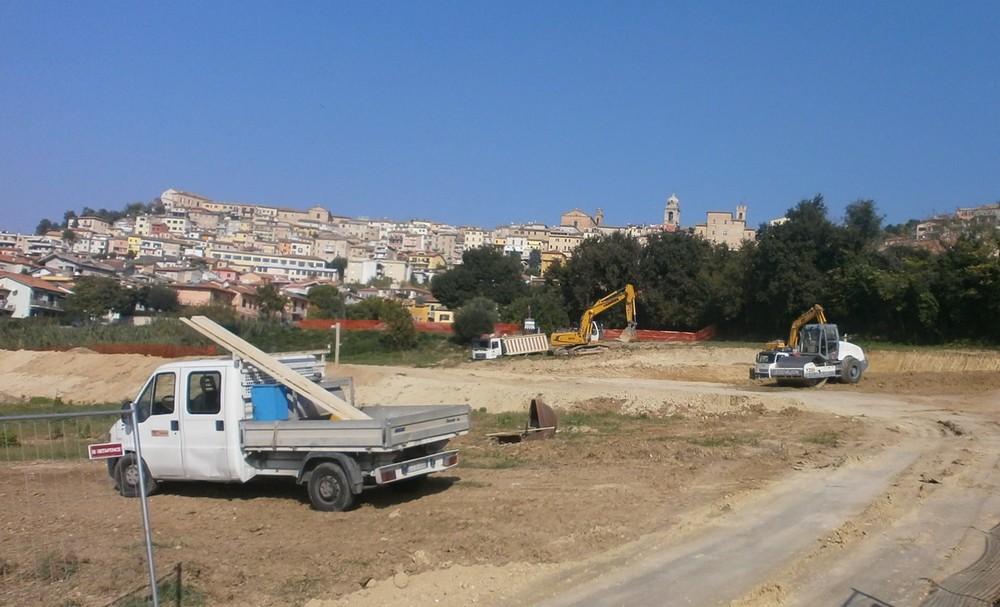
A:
(491, 347)
(589, 331)
(813, 354)
(232, 419)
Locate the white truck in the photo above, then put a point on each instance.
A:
(233, 419)
(491, 347)
(819, 355)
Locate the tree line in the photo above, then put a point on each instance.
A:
(875, 291)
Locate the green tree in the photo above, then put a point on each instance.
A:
(786, 269)
(270, 300)
(45, 226)
(325, 301)
(160, 298)
(400, 333)
(544, 304)
(474, 319)
(484, 272)
(687, 282)
(599, 266)
(535, 262)
(340, 265)
(94, 296)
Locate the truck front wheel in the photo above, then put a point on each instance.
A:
(329, 490)
(127, 477)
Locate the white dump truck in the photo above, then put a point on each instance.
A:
(490, 347)
(233, 419)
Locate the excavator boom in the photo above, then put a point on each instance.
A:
(813, 313)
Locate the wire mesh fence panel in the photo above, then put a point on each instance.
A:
(69, 539)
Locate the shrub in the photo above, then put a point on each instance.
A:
(8, 438)
(474, 319)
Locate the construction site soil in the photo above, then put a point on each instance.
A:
(699, 450)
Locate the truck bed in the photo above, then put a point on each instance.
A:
(390, 428)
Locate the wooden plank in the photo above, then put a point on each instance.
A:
(265, 362)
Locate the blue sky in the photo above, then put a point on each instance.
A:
(489, 113)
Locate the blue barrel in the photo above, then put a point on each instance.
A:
(269, 402)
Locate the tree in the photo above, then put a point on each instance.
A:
(484, 272)
(474, 319)
(325, 301)
(687, 282)
(45, 226)
(160, 298)
(787, 268)
(599, 266)
(535, 262)
(543, 304)
(400, 332)
(94, 296)
(270, 300)
(340, 265)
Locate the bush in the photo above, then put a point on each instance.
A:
(8, 438)
(474, 319)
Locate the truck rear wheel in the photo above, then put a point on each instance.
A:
(328, 488)
(127, 477)
(851, 370)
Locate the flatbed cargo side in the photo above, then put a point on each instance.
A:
(391, 427)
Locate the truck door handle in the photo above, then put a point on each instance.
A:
(174, 426)
(220, 425)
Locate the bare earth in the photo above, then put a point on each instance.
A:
(717, 490)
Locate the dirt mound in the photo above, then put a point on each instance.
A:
(78, 375)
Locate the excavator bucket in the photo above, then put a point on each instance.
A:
(628, 334)
(541, 424)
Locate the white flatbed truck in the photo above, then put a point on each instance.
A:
(254, 415)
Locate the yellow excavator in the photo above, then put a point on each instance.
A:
(813, 313)
(581, 340)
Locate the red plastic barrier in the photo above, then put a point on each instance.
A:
(647, 335)
(346, 325)
(325, 324)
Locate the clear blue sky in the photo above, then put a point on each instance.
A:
(489, 113)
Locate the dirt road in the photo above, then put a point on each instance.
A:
(701, 488)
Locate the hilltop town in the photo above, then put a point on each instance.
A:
(219, 253)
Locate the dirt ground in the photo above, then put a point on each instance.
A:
(698, 443)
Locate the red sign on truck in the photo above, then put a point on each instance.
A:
(106, 450)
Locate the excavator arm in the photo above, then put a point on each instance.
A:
(813, 313)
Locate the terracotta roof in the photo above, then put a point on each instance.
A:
(35, 283)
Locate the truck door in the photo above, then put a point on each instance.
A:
(203, 427)
(159, 427)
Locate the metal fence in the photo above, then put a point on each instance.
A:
(68, 538)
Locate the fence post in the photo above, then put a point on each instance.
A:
(154, 591)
